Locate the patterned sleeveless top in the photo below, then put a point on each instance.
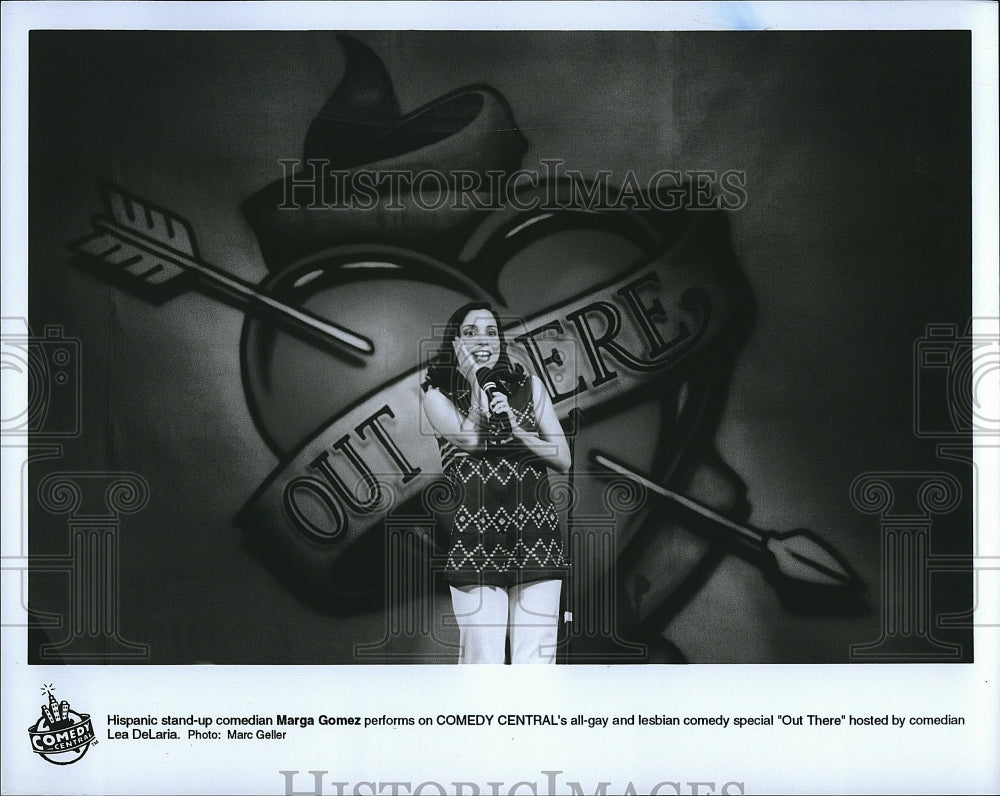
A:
(506, 528)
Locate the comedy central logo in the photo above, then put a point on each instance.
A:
(61, 735)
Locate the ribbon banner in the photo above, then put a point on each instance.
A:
(591, 351)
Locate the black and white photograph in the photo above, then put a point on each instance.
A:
(344, 349)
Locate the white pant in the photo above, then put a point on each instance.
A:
(485, 614)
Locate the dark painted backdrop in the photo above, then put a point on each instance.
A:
(855, 236)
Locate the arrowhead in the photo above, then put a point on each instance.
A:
(802, 556)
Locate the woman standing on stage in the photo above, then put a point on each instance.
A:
(505, 560)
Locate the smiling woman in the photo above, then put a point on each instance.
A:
(498, 436)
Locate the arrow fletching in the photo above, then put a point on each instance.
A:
(151, 252)
(140, 246)
(150, 222)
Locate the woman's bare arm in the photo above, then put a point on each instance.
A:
(466, 432)
(549, 443)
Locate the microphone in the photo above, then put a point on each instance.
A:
(489, 385)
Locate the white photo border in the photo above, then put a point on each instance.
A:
(919, 762)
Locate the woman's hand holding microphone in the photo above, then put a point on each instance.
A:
(467, 366)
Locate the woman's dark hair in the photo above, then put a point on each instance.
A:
(442, 368)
